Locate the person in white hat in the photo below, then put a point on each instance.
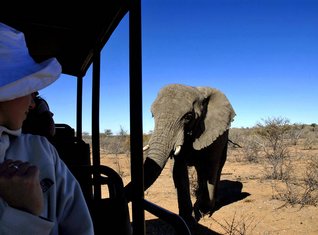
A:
(38, 193)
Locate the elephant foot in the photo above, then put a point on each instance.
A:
(201, 210)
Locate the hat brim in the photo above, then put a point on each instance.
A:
(48, 72)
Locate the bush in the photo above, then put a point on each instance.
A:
(274, 135)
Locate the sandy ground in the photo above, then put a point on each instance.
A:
(247, 201)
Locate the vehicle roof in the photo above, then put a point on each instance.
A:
(70, 35)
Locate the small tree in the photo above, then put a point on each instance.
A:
(274, 132)
(295, 133)
(124, 140)
(122, 131)
(108, 132)
(313, 125)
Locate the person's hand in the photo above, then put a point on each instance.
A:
(20, 186)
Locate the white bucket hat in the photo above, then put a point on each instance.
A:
(20, 75)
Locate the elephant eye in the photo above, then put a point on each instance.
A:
(188, 116)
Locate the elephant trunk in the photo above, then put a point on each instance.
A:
(159, 150)
(161, 146)
(151, 172)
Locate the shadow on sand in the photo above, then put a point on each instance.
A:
(228, 192)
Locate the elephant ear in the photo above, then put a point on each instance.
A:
(219, 116)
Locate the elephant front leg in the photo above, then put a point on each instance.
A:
(209, 174)
(181, 182)
(206, 192)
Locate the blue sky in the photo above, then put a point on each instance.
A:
(263, 54)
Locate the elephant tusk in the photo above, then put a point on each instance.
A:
(145, 147)
(177, 150)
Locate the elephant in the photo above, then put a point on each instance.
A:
(191, 126)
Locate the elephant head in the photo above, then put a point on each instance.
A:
(200, 114)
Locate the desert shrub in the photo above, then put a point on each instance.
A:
(289, 193)
(313, 125)
(302, 192)
(116, 144)
(274, 135)
(310, 141)
(244, 146)
(278, 166)
(238, 225)
(236, 136)
(295, 132)
(251, 149)
(310, 196)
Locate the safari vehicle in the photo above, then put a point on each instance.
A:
(75, 36)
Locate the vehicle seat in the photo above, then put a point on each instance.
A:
(109, 209)
(110, 214)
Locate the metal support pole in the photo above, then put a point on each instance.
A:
(79, 107)
(136, 131)
(95, 116)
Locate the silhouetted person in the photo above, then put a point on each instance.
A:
(39, 120)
